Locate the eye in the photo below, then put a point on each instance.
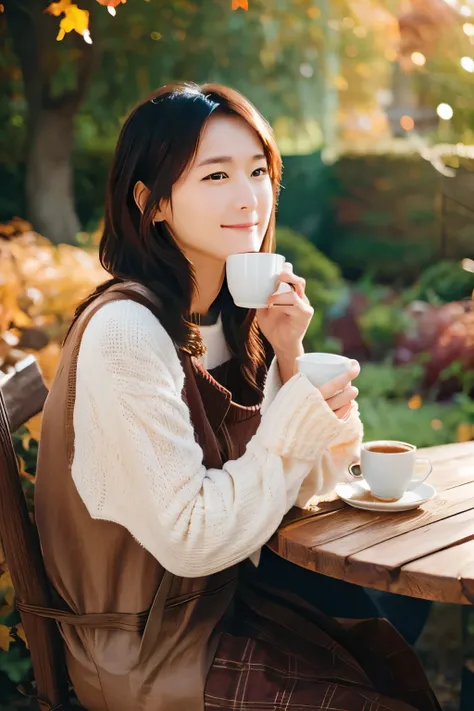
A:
(260, 172)
(216, 176)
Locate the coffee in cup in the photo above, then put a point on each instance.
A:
(388, 448)
(253, 277)
(320, 368)
(389, 468)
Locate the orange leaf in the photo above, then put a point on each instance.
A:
(110, 3)
(8, 594)
(465, 433)
(21, 319)
(243, 4)
(34, 426)
(7, 230)
(21, 634)
(7, 586)
(5, 581)
(5, 638)
(48, 359)
(23, 471)
(25, 443)
(74, 19)
(57, 8)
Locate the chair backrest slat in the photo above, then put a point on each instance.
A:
(22, 396)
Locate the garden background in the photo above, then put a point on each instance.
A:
(372, 104)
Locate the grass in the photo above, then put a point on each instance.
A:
(428, 425)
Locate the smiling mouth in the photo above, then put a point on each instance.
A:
(244, 226)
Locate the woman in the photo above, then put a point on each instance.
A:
(169, 456)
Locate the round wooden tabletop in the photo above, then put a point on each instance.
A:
(426, 553)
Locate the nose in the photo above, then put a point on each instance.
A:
(246, 195)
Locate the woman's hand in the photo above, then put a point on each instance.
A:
(339, 393)
(285, 322)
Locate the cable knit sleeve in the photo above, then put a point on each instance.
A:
(332, 464)
(137, 462)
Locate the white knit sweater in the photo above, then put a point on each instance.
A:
(137, 462)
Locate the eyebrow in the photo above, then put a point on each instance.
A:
(227, 159)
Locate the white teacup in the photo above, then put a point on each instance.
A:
(320, 368)
(389, 468)
(252, 277)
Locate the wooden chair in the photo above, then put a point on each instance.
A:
(22, 395)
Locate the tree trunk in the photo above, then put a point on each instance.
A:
(50, 135)
(49, 176)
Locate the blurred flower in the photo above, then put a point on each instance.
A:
(415, 402)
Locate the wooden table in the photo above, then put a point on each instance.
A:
(427, 553)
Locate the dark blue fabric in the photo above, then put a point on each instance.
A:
(467, 689)
(337, 598)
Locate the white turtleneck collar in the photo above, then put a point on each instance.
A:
(217, 349)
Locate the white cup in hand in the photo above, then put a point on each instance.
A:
(320, 368)
(332, 375)
(253, 277)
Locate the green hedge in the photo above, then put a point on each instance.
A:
(392, 219)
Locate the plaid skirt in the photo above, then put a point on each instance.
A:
(283, 654)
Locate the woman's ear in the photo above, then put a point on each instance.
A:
(141, 194)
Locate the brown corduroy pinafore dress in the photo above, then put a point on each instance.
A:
(139, 638)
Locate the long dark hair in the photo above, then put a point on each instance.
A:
(158, 140)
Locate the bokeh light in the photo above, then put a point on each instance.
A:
(445, 111)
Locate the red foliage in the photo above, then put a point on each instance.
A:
(446, 333)
(112, 3)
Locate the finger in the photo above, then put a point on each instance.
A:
(288, 298)
(290, 304)
(304, 314)
(339, 393)
(338, 383)
(343, 412)
(297, 282)
(341, 399)
(288, 275)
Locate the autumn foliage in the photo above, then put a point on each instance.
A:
(73, 18)
(420, 24)
(40, 287)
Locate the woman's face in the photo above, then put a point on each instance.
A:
(222, 203)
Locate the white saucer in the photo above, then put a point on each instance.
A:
(357, 494)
